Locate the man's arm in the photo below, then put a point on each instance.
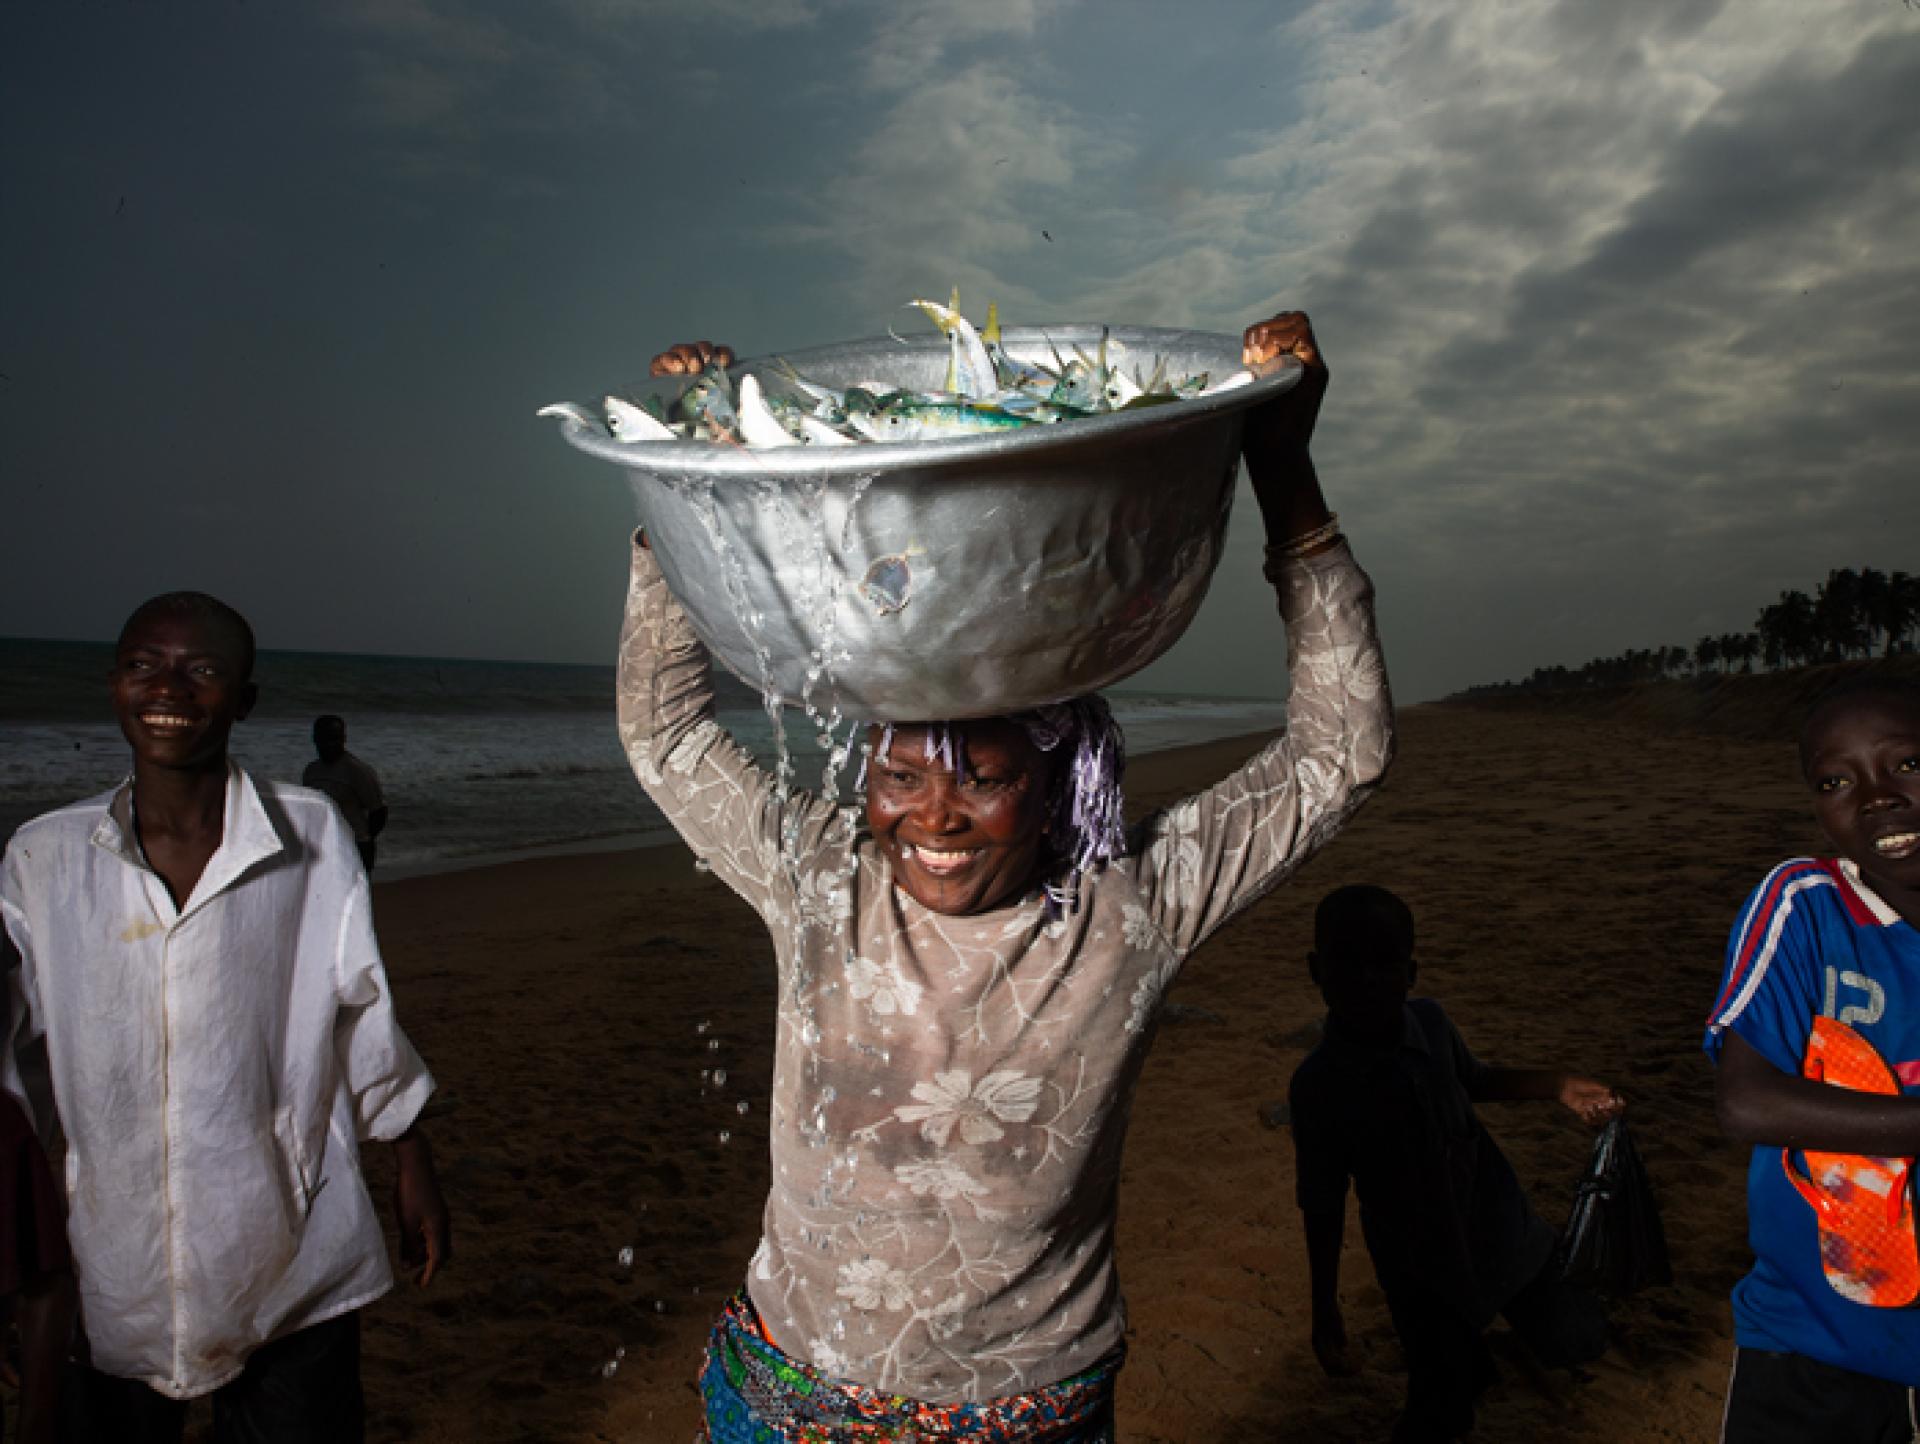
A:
(373, 799)
(419, 1212)
(1759, 1104)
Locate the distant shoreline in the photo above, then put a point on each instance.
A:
(1754, 706)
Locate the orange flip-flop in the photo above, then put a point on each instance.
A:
(1864, 1204)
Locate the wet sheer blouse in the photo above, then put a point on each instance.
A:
(950, 1094)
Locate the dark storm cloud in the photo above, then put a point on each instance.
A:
(1796, 152)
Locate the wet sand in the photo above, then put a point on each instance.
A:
(1574, 880)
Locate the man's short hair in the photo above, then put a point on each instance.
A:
(1362, 918)
(204, 607)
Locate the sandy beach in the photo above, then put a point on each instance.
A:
(1574, 880)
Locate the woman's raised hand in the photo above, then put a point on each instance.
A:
(1287, 421)
(688, 358)
(1274, 441)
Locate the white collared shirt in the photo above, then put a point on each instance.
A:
(213, 1067)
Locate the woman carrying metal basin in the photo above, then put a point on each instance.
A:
(969, 985)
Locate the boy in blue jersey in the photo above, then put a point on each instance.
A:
(1834, 938)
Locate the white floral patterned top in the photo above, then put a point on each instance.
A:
(950, 1094)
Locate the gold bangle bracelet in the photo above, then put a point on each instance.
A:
(1311, 541)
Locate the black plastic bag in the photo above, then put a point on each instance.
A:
(1613, 1240)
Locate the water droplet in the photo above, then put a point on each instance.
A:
(626, 1257)
(719, 1077)
(610, 1368)
(713, 1045)
(741, 1107)
(725, 1137)
(659, 1306)
(703, 1025)
(621, 1352)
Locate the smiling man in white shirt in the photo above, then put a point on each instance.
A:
(197, 950)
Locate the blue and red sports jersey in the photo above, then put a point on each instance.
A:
(1814, 941)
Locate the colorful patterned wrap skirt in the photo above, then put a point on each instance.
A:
(755, 1394)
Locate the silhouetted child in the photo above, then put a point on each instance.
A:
(1386, 1100)
(198, 951)
(1828, 1343)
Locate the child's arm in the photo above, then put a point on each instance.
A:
(1326, 1230)
(419, 1212)
(1759, 1104)
(1321, 1178)
(1770, 993)
(1588, 1099)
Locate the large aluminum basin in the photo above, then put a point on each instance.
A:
(949, 579)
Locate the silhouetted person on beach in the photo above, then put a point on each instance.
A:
(1385, 1100)
(351, 783)
(970, 983)
(1817, 1035)
(195, 949)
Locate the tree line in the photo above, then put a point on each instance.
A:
(1851, 614)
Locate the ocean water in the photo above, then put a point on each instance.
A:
(480, 761)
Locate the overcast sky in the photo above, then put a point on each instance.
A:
(1621, 298)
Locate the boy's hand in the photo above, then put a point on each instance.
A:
(689, 358)
(1330, 1348)
(419, 1212)
(1590, 1100)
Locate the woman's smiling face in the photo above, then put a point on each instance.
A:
(967, 843)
